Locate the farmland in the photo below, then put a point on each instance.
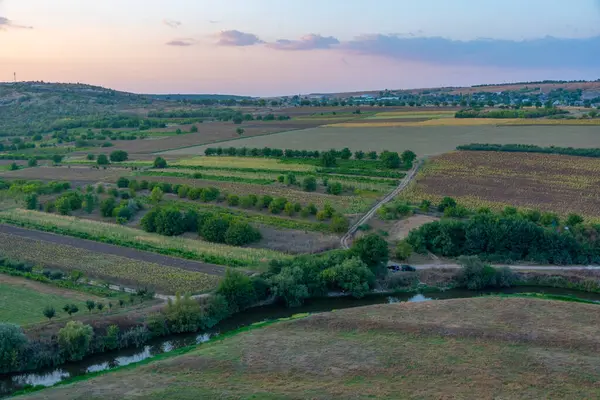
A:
(129, 237)
(562, 184)
(533, 349)
(106, 266)
(22, 301)
(422, 140)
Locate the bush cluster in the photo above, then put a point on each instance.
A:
(530, 148)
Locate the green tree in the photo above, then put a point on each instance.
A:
(240, 131)
(156, 195)
(57, 159)
(194, 129)
(91, 157)
(345, 154)
(100, 306)
(373, 250)
(289, 179)
(119, 156)
(122, 182)
(288, 286)
(359, 155)
(403, 250)
(49, 312)
(351, 276)
(14, 166)
(238, 290)
(446, 202)
(214, 230)
(408, 157)
(107, 207)
(160, 162)
(573, 220)
(328, 159)
(111, 339)
(13, 343)
(32, 162)
(309, 184)
(31, 201)
(71, 309)
(74, 340)
(102, 160)
(90, 305)
(372, 155)
(169, 222)
(339, 224)
(390, 159)
(183, 314)
(335, 188)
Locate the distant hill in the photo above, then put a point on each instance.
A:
(33, 106)
(196, 97)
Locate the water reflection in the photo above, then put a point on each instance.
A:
(47, 379)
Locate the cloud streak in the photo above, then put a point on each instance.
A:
(234, 38)
(6, 23)
(307, 42)
(171, 23)
(185, 42)
(537, 53)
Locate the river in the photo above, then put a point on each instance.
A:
(48, 377)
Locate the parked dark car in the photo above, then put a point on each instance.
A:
(394, 267)
(407, 268)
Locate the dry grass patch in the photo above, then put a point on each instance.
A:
(497, 348)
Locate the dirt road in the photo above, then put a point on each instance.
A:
(403, 184)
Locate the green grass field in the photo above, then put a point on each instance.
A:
(484, 348)
(20, 304)
(422, 140)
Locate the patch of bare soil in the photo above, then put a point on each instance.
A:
(296, 242)
(400, 229)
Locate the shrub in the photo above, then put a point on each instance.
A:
(107, 207)
(183, 314)
(335, 188)
(160, 162)
(372, 249)
(475, 275)
(446, 202)
(237, 288)
(74, 340)
(312, 209)
(289, 179)
(288, 286)
(248, 201)
(352, 276)
(111, 339)
(31, 201)
(309, 184)
(12, 345)
(91, 157)
(122, 182)
(102, 160)
(339, 224)
(214, 230)
(119, 156)
(241, 233)
(390, 159)
(265, 201)
(233, 200)
(156, 195)
(277, 206)
(169, 222)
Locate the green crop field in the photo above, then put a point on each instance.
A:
(426, 140)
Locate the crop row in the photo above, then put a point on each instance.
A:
(107, 267)
(218, 178)
(193, 249)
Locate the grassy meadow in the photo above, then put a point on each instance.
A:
(444, 349)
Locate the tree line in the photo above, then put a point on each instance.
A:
(531, 148)
(504, 114)
(511, 236)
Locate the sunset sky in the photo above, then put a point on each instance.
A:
(281, 47)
